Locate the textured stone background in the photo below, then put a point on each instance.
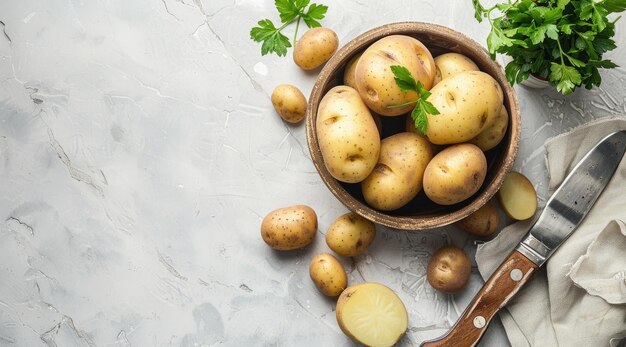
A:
(139, 152)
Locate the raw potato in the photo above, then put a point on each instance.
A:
(468, 102)
(289, 103)
(349, 75)
(289, 228)
(350, 235)
(375, 80)
(517, 196)
(315, 47)
(483, 222)
(328, 274)
(449, 64)
(455, 174)
(347, 135)
(397, 178)
(449, 269)
(491, 137)
(372, 314)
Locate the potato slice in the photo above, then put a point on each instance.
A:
(372, 314)
(517, 196)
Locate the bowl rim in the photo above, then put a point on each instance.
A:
(410, 222)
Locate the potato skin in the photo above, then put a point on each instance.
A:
(375, 80)
(468, 102)
(349, 74)
(289, 103)
(347, 135)
(289, 228)
(449, 64)
(483, 222)
(328, 274)
(397, 178)
(455, 174)
(341, 301)
(315, 47)
(350, 235)
(491, 137)
(449, 269)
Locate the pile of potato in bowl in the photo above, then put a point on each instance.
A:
(364, 141)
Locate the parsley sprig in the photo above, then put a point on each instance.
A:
(272, 38)
(423, 108)
(560, 40)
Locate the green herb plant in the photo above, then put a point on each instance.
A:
(407, 83)
(273, 40)
(559, 40)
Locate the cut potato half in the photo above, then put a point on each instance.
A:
(517, 196)
(372, 314)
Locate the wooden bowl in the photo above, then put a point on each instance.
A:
(420, 213)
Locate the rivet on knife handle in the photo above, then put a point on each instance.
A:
(514, 272)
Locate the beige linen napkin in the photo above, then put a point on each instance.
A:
(579, 297)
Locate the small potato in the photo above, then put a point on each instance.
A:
(455, 174)
(289, 103)
(350, 235)
(371, 314)
(468, 103)
(517, 196)
(349, 74)
(449, 64)
(315, 47)
(397, 178)
(328, 274)
(483, 222)
(449, 269)
(491, 137)
(375, 80)
(289, 228)
(347, 135)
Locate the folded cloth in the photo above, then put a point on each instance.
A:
(579, 297)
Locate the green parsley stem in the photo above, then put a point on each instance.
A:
(403, 104)
(295, 34)
(283, 26)
(558, 42)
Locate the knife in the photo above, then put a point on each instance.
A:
(563, 213)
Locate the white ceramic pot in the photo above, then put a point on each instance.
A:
(534, 82)
(531, 81)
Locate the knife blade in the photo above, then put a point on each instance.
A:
(573, 199)
(564, 211)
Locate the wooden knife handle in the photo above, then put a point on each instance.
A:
(505, 282)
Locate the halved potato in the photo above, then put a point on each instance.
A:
(517, 196)
(372, 314)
